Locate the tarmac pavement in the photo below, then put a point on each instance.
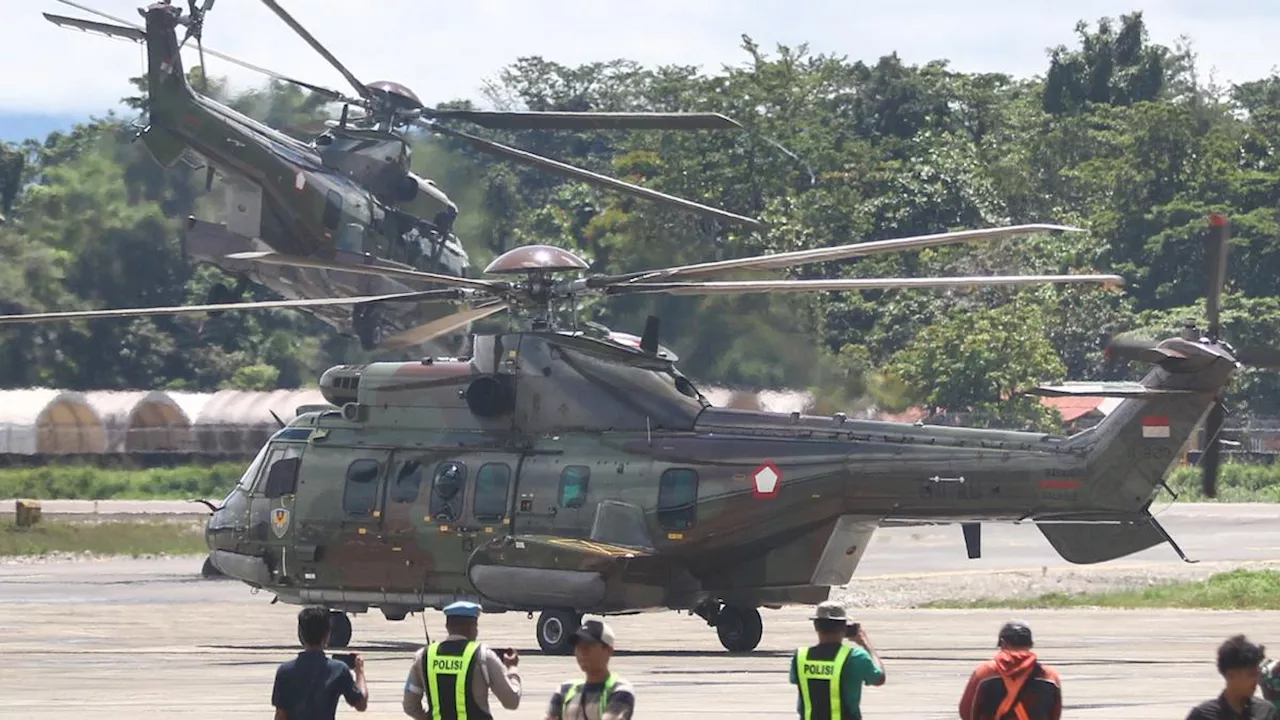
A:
(127, 638)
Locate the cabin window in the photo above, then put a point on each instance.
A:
(448, 490)
(282, 472)
(678, 498)
(360, 497)
(251, 472)
(492, 482)
(407, 483)
(573, 486)
(332, 209)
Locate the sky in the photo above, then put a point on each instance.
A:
(445, 50)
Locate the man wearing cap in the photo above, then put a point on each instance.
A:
(1014, 684)
(813, 669)
(603, 695)
(455, 676)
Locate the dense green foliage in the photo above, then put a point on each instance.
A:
(1234, 590)
(86, 482)
(1118, 136)
(126, 537)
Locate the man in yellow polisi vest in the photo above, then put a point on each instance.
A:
(831, 674)
(455, 676)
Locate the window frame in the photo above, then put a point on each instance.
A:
(346, 487)
(283, 452)
(506, 493)
(663, 513)
(332, 215)
(586, 486)
(393, 483)
(460, 497)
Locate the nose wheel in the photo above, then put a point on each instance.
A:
(555, 631)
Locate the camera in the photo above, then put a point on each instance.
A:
(348, 659)
(851, 630)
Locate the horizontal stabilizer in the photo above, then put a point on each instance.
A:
(1088, 543)
(116, 31)
(1105, 389)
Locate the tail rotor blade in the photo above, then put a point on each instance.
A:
(1260, 357)
(1216, 255)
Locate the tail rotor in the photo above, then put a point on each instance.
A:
(195, 29)
(1194, 351)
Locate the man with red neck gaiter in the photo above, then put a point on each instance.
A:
(1013, 685)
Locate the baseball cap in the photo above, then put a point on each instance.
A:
(829, 610)
(595, 631)
(1016, 634)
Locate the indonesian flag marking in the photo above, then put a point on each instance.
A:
(1155, 426)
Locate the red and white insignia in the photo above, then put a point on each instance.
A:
(765, 480)
(1155, 426)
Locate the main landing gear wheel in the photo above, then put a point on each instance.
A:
(740, 629)
(555, 631)
(339, 629)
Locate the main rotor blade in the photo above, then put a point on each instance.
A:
(273, 258)
(423, 333)
(1216, 254)
(587, 176)
(100, 14)
(1259, 356)
(839, 252)
(548, 120)
(766, 286)
(315, 45)
(423, 296)
(113, 31)
(137, 33)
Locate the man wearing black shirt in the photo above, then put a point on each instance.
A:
(308, 686)
(1238, 661)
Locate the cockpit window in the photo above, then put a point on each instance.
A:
(246, 480)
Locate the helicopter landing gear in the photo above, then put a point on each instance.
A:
(367, 320)
(555, 631)
(739, 628)
(339, 629)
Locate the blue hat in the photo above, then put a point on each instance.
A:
(462, 608)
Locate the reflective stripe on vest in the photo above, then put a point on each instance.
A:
(1012, 697)
(458, 666)
(609, 682)
(820, 671)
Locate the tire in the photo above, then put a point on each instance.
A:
(739, 629)
(555, 631)
(339, 629)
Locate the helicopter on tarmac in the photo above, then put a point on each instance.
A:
(572, 469)
(347, 197)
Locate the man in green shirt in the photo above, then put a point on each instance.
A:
(813, 668)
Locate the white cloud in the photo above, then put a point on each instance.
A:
(445, 50)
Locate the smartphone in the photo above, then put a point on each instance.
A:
(851, 630)
(348, 659)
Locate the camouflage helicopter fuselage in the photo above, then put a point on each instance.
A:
(567, 474)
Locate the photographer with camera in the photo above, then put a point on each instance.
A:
(455, 676)
(308, 686)
(830, 675)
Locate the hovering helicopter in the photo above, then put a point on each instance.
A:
(567, 468)
(346, 198)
